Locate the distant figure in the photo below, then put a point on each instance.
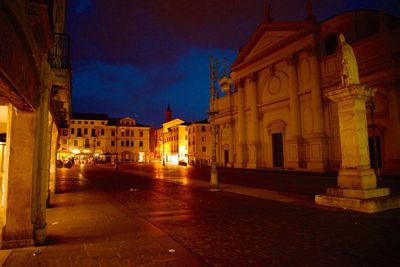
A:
(349, 73)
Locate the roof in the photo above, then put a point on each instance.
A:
(297, 30)
(89, 116)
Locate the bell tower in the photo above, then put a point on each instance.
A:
(168, 114)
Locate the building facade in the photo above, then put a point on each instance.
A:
(94, 138)
(35, 92)
(199, 144)
(276, 114)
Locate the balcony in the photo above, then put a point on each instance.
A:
(59, 56)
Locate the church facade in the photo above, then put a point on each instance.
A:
(277, 115)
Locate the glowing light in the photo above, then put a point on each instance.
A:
(76, 151)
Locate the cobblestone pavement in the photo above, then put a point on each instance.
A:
(227, 229)
(88, 228)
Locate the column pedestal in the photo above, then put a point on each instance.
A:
(254, 156)
(357, 186)
(295, 159)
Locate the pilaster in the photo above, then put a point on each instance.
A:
(240, 159)
(294, 142)
(318, 144)
(254, 136)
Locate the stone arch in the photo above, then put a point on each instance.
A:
(275, 143)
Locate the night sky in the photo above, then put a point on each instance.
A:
(133, 57)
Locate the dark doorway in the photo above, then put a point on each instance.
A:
(277, 146)
(226, 157)
(375, 161)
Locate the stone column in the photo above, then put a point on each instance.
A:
(294, 142)
(316, 94)
(18, 172)
(254, 136)
(318, 144)
(357, 186)
(240, 159)
(42, 164)
(53, 162)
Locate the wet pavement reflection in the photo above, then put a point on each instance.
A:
(225, 229)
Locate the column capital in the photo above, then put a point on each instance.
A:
(311, 51)
(292, 60)
(252, 77)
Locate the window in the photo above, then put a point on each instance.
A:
(102, 131)
(330, 44)
(72, 122)
(72, 130)
(132, 133)
(75, 142)
(91, 122)
(93, 132)
(98, 143)
(122, 143)
(85, 122)
(79, 122)
(127, 143)
(203, 128)
(112, 143)
(140, 134)
(65, 141)
(141, 143)
(64, 132)
(85, 131)
(122, 133)
(203, 138)
(132, 143)
(102, 122)
(79, 132)
(204, 149)
(112, 133)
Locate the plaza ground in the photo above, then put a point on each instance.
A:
(154, 215)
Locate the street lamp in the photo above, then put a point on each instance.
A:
(371, 106)
(163, 150)
(116, 145)
(214, 186)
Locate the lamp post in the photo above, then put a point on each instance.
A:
(163, 150)
(214, 186)
(371, 106)
(116, 145)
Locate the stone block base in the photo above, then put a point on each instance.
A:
(369, 201)
(354, 193)
(16, 243)
(357, 178)
(254, 165)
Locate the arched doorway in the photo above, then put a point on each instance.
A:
(277, 149)
(226, 155)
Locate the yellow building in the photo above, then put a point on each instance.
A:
(96, 138)
(35, 97)
(174, 142)
(276, 114)
(199, 143)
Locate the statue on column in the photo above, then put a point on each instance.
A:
(349, 69)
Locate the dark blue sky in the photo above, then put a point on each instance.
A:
(133, 57)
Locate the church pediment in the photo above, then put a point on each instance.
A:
(269, 38)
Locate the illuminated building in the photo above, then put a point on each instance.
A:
(174, 141)
(35, 88)
(93, 138)
(276, 114)
(199, 143)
